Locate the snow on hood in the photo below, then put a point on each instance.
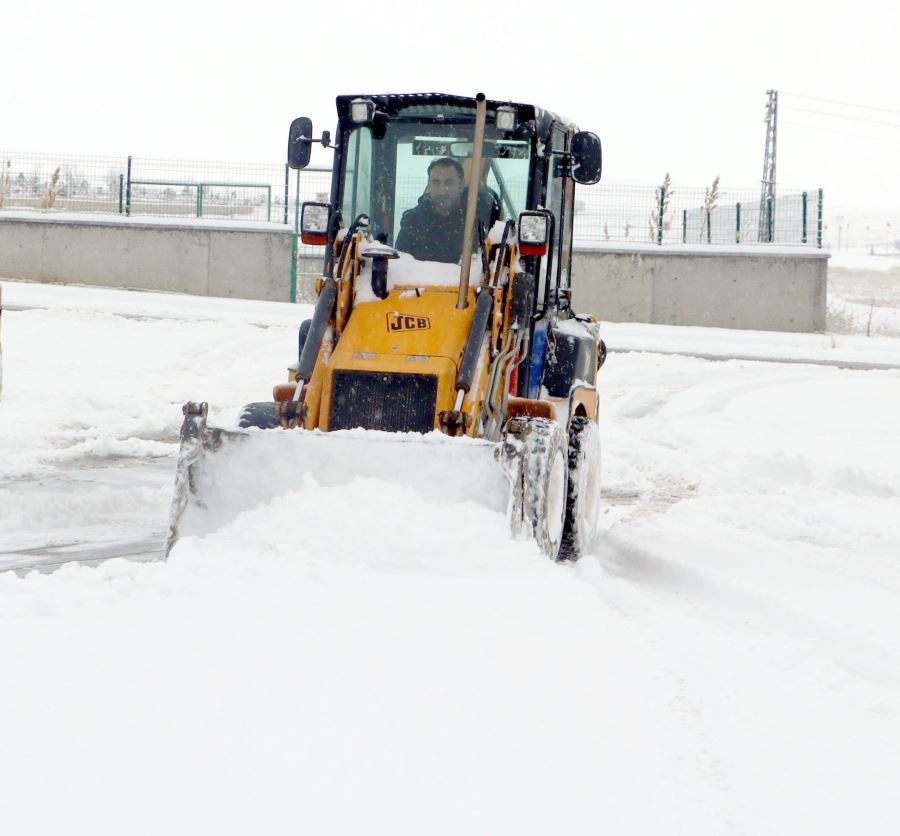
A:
(406, 271)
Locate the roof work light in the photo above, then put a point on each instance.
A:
(362, 111)
(507, 118)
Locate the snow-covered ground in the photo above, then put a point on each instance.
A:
(864, 293)
(363, 659)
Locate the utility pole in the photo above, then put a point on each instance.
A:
(767, 198)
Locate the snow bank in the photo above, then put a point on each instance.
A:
(363, 658)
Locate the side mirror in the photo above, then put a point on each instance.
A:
(314, 219)
(587, 158)
(534, 233)
(300, 143)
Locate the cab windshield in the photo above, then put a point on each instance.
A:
(413, 182)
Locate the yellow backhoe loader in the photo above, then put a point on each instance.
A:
(443, 349)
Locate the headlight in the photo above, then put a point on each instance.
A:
(314, 223)
(534, 233)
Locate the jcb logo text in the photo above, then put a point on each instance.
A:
(405, 322)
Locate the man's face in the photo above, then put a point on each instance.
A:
(444, 188)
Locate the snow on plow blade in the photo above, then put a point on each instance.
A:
(222, 473)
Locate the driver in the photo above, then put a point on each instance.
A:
(433, 229)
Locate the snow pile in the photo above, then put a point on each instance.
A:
(91, 409)
(249, 470)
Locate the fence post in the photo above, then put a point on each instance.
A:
(819, 222)
(769, 220)
(294, 243)
(708, 226)
(128, 190)
(200, 200)
(684, 226)
(287, 197)
(805, 197)
(737, 226)
(121, 192)
(659, 220)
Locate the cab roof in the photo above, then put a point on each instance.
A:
(434, 104)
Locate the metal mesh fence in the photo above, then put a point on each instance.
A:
(617, 212)
(215, 190)
(60, 182)
(259, 193)
(135, 186)
(309, 184)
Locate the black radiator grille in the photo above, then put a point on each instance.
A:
(383, 401)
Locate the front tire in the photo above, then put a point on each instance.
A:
(544, 483)
(261, 415)
(583, 498)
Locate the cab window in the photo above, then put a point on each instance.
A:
(357, 180)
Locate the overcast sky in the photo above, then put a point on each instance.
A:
(677, 87)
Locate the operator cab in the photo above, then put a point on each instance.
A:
(404, 162)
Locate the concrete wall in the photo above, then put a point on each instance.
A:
(765, 288)
(205, 259)
(760, 288)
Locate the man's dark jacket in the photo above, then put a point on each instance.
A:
(429, 236)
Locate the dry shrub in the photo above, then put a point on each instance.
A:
(709, 203)
(5, 182)
(52, 192)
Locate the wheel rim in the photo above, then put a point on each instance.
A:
(556, 497)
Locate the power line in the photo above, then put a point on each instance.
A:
(841, 116)
(819, 129)
(845, 104)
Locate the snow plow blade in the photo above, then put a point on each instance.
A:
(222, 473)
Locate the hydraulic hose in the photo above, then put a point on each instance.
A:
(321, 316)
(483, 307)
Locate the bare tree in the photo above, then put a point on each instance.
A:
(50, 195)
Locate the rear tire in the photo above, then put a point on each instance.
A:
(261, 415)
(544, 483)
(583, 498)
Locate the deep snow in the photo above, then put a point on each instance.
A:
(362, 658)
